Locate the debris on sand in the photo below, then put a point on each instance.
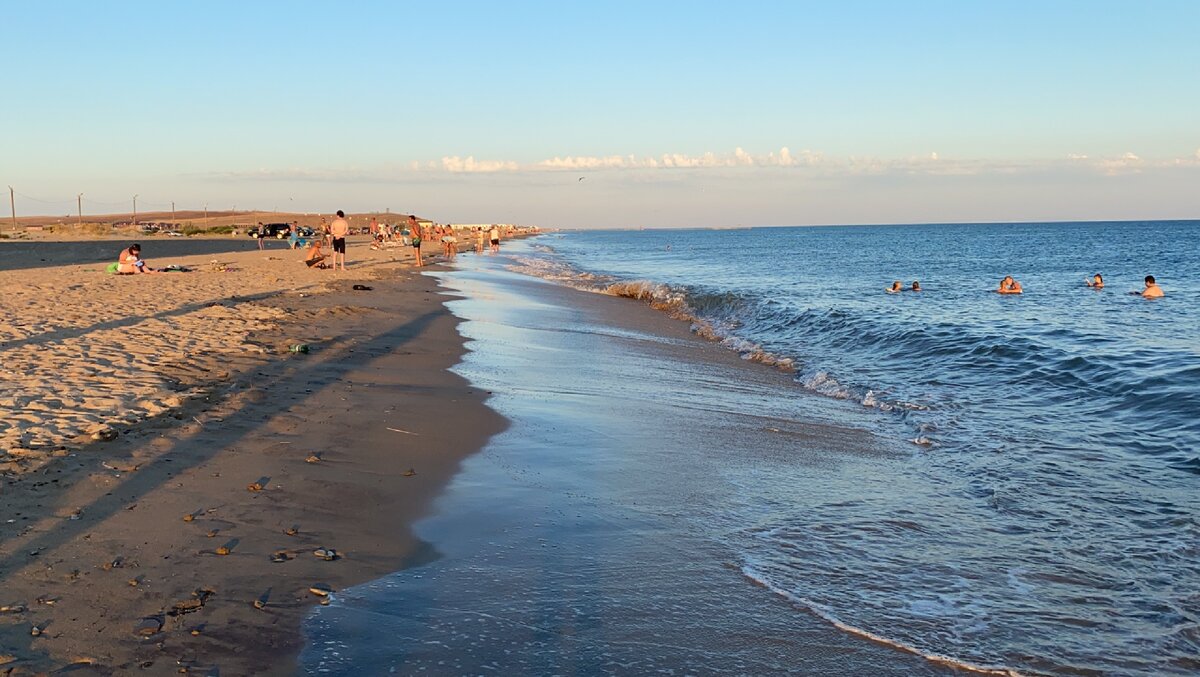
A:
(149, 626)
(327, 554)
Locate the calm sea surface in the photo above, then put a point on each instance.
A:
(1024, 494)
(1049, 515)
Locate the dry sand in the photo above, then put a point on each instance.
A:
(102, 540)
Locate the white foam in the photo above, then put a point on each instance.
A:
(828, 616)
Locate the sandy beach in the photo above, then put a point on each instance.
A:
(170, 465)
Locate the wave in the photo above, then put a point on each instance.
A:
(828, 616)
(709, 315)
(941, 367)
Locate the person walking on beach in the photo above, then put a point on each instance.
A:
(494, 235)
(260, 235)
(1152, 290)
(339, 229)
(479, 240)
(1010, 286)
(416, 238)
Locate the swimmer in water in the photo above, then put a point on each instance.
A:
(1097, 282)
(1152, 290)
(896, 287)
(1010, 286)
(916, 286)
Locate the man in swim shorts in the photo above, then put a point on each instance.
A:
(314, 257)
(339, 229)
(415, 229)
(494, 235)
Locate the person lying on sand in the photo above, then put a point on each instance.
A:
(1097, 282)
(1152, 290)
(1009, 286)
(314, 257)
(130, 262)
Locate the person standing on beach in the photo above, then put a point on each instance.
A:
(260, 235)
(416, 238)
(494, 234)
(339, 229)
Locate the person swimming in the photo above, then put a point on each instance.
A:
(1152, 290)
(1010, 286)
(1097, 282)
(896, 287)
(916, 286)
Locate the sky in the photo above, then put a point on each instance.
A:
(608, 114)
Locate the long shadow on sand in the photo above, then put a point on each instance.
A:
(155, 473)
(186, 453)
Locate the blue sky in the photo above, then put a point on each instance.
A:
(677, 113)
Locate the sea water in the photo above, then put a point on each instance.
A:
(1027, 499)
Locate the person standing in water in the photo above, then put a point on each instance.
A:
(1152, 290)
(339, 229)
(1097, 282)
(895, 288)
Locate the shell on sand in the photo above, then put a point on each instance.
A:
(150, 625)
(327, 554)
(320, 590)
(105, 434)
(254, 486)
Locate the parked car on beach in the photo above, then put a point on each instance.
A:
(275, 230)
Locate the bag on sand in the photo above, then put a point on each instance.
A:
(111, 269)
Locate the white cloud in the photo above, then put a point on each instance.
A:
(469, 164)
(739, 158)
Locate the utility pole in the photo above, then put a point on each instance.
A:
(12, 202)
(79, 202)
(206, 215)
(172, 213)
(135, 210)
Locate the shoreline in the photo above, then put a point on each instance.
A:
(113, 538)
(601, 532)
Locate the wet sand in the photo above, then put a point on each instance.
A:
(225, 442)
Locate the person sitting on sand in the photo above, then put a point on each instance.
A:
(1009, 286)
(1152, 290)
(1097, 282)
(916, 286)
(314, 257)
(130, 262)
(896, 287)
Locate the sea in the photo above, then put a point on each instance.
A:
(733, 452)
